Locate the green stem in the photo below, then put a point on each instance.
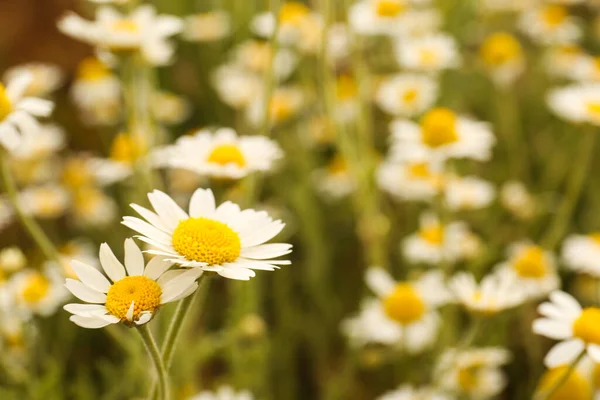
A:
(30, 224)
(547, 394)
(573, 192)
(152, 348)
(269, 78)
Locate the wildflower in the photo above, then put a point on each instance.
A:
(125, 150)
(17, 113)
(222, 239)
(39, 143)
(468, 193)
(45, 201)
(220, 154)
(82, 170)
(577, 328)
(236, 86)
(417, 180)
(550, 24)
(515, 197)
(494, 294)
(223, 393)
(502, 56)
(347, 98)
(141, 31)
(207, 27)
(335, 181)
(407, 392)
(38, 292)
(136, 292)
(92, 207)
(581, 253)
(45, 78)
(407, 95)
(440, 135)
(576, 103)
(431, 53)
(257, 57)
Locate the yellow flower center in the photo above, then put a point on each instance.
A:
(428, 57)
(499, 49)
(419, 170)
(433, 234)
(554, 14)
(346, 88)
(438, 127)
(404, 305)
(126, 149)
(280, 108)
(410, 96)
(587, 326)
(531, 263)
(76, 173)
(125, 26)
(595, 236)
(467, 378)
(143, 291)
(593, 108)
(576, 387)
(92, 69)
(6, 105)
(36, 288)
(293, 13)
(206, 240)
(337, 166)
(227, 154)
(389, 8)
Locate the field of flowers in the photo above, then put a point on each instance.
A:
(292, 200)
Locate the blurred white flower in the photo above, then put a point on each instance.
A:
(515, 197)
(335, 181)
(502, 56)
(550, 24)
(38, 292)
(494, 294)
(45, 78)
(407, 95)
(430, 53)
(576, 103)
(12, 259)
(207, 27)
(169, 108)
(468, 193)
(581, 253)
(285, 103)
(395, 18)
(409, 180)
(223, 393)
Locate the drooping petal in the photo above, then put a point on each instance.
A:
(156, 267)
(84, 293)
(202, 203)
(134, 259)
(563, 353)
(111, 265)
(90, 276)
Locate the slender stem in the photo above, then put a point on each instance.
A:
(269, 74)
(152, 348)
(573, 191)
(29, 223)
(547, 394)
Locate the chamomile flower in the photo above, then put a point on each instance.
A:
(407, 392)
(295, 20)
(515, 197)
(407, 95)
(533, 267)
(560, 59)
(45, 201)
(223, 393)
(581, 253)
(236, 86)
(576, 103)
(404, 314)
(92, 207)
(385, 17)
(434, 242)
(38, 292)
(347, 98)
(494, 294)
(550, 24)
(502, 56)
(82, 170)
(335, 181)
(17, 112)
(431, 53)
(222, 239)
(45, 78)
(257, 57)
(220, 154)
(475, 372)
(441, 134)
(40, 143)
(207, 27)
(468, 193)
(578, 329)
(417, 180)
(141, 31)
(125, 150)
(586, 68)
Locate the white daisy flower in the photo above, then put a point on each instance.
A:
(468, 193)
(133, 294)
(255, 56)
(404, 315)
(407, 392)
(220, 154)
(223, 393)
(45, 78)
(17, 112)
(560, 60)
(409, 180)
(39, 143)
(576, 103)
(346, 98)
(494, 294)
(406, 95)
(577, 328)
(236, 86)
(222, 239)
(550, 24)
(429, 53)
(45, 201)
(581, 253)
(390, 17)
(502, 56)
(532, 267)
(82, 170)
(476, 372)
(335, 181)
(12, 259)
(38, 292)
(207, 27)
(434, 242)
(142, 30)
(92, 207)
(441, 134)
(515, 197)
(585, 68)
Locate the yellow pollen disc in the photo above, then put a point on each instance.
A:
(433, 234)
(76, 173)
(595, 236)
(92, 69)
(576, 387)
(389, 8)
(593, 108)
(281, 108)
(143, 291)
(126, 149)
(531, 263)
(125, 26)
(438, 127)
(419, 170)
(36, 288)
(227, 154)
(554, 14)
(500, 48)
(467, 378)
(337, 166)
(293, 13)
(206, 240)
(587, 326)
(346, 87)
(404, 305)
(428, 57)
(6, 106)
(409, 96)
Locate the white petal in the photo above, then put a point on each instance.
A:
(563, 353)
(82, 292)
(241, 274)
(37, 107)
(379, 281)
(552, 329)
(265, 251)
(594, 352)
(147, 230)
(169, 275)
(202, 203)
(17, 86)
(9, 137)
(111, 265)
(156, 267)
(151, 217)
(167, 209)
(129, 315)
(145, 316)
(89, 322)
(263, 235)
(565, 301)
(90, 276)
(85, 310)
(179, 284)
(191, 289)
(134, 259)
